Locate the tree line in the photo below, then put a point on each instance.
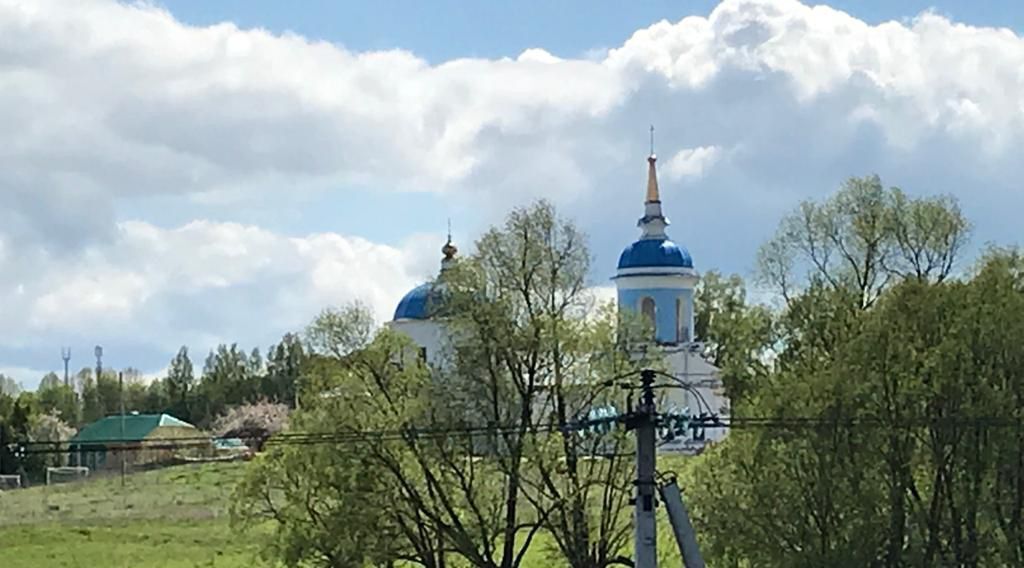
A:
(909, 374)
(230, 377)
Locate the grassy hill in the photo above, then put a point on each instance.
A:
(174, 517)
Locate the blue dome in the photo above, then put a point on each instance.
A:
(422, 302)
(655, 253)
(414, 304)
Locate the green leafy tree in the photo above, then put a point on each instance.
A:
(861, 239)
(254, 373)
(336, 332)
(224, 382)
(49, 380)
(56, 398)
(738, 337)
(157, 400)
(315, 497)
(285, 362)
(9, 386)
(874, 331)
(92, 403)
(179, 382)
(527, 354)
(108, 391)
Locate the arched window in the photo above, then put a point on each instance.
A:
(680, 328)
(647, 309)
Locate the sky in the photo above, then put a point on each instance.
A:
(191, 173)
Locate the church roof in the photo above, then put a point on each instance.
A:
(654, 249)
(655, 253)
(415, 303)
(420, 302)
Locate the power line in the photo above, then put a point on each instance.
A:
(410, 434)
(413, 433)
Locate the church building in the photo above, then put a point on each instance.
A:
(655, 278)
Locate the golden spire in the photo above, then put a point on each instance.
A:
(652, 180)
(652, 174)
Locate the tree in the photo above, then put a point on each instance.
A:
(50, 380)
(255, 423)
(50, 428)
(794, 495)
(17, 415)
(9, 386)
(738, 337)
(324, 502)
(876, 333)
(483, 460)
(526, 355)
(862, 237)
(284, 369)
(179, 382)
(157, 400)
(255, 369)
(56, 398)
(224, 383)
(108, 391)
(336, 332)
(91, 409)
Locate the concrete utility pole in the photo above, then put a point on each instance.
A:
(646, 535)
(645, 421)
(686, 538)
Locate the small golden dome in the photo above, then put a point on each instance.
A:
(449, 250)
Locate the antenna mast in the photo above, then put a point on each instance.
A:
(98, 351)
(65, 354)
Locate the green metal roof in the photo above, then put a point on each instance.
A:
(136, 427)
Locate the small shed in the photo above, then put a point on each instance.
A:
(143, 438)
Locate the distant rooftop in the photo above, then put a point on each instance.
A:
(137, 427)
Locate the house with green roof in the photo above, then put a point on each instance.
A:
(143, 439)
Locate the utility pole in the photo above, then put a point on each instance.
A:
(120, 385)
(679, 518)
(644, 422)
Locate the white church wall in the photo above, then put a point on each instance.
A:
(692, 370)
(427, 334)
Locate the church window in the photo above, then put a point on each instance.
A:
(647, 309)
(680, 328)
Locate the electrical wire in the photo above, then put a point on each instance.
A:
(412, 434)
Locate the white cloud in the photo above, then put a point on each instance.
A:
(759, 104)
(201, 284)
(692, 162)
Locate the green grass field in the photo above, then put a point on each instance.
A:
(174, 517)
